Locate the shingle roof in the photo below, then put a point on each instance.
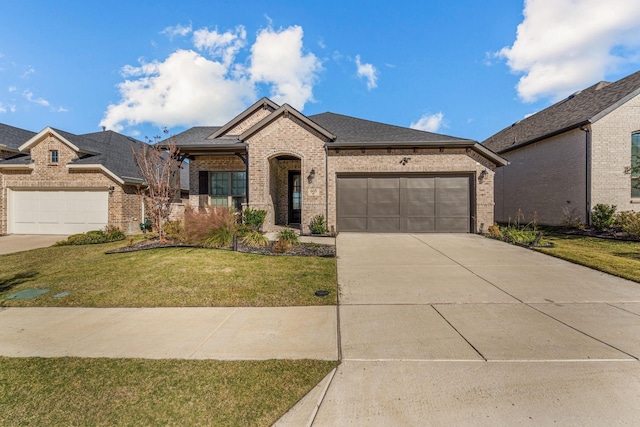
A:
(586, 106)
(198, 136)
(352, 129)
(13, 137)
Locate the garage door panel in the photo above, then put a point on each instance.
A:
(58, 212)
(414, 204)
(384, 225)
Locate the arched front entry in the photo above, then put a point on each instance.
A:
(285, 189)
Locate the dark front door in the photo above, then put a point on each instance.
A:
(295, 198)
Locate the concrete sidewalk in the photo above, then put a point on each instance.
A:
(176, 333)
(450, 329)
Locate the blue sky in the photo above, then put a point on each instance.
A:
(465, 68)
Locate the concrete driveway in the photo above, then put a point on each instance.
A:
(463, 330)
(24, 242)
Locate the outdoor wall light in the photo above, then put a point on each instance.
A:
(483, 174)
(312, 175)
(111, 189)
(405, 160)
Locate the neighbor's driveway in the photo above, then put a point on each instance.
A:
(23, 242)
(463, 330)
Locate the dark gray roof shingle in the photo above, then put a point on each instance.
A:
(13, 137)
(583, 107)
(352, 129)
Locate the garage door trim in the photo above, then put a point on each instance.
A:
(401, 188)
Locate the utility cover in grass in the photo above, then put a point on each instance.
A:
(28, 294)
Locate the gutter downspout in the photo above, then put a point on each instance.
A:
(326, 183)
(587, 175)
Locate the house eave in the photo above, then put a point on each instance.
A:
(98, 167)
(43, 133)
(473, 145)
(546, 136)
(17, 167)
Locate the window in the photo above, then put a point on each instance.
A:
(53, 156)
(228, 189)
(635, 164)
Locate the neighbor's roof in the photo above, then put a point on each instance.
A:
(581, 108)
(12, 137)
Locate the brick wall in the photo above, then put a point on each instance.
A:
(544, 179)
(611, 153)
(249, 121)
(230, 163)
(422, 161)
(124, 203)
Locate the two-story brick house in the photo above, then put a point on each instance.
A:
(571, 156)
(360, 175)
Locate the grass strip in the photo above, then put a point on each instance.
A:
(106, 392)
(169, 277)
(620, 258)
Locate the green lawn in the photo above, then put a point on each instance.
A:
(101, 392)
(172, 277)
(614, 257)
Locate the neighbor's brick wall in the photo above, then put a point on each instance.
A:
(423, 160)
(542, 179)
(611, 153)
(124, 204)
(286, 136)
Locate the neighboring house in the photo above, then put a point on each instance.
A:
(360, 175)
(571, 156)
(55, 182)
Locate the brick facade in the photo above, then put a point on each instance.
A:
(125, 205)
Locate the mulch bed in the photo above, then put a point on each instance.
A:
(303, 249)
(592, 232)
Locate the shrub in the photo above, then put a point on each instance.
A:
(571, 218)
(318, 225)
(494, 231)
(210, 227)
(111, 234)
(255, 238)
(174, 230)
(629, 222)
(289, 236)
(254, 218)
(603, 216)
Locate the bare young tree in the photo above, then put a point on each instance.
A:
(159, 166)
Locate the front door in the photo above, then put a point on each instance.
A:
(295, 198)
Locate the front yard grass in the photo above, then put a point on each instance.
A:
(620, 258)
(169, 277)
(101, 392)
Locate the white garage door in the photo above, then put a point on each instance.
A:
(57, 212)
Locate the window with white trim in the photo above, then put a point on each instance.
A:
(53, 156)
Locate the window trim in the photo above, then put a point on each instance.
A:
(635, 158)
(54, 157)
(232, 199)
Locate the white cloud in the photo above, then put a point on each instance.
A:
(225, 45)
(30, 70)
(369, 72)
(61, 110)
(40, 101)
(177, 30)
(12, 89)
(429, 122)
(3, 109)
(277, 58)
(210, 83)
(186, 89)
(565, 45)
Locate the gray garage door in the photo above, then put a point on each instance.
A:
(404, 204)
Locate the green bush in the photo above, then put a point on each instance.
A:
(318, 225)
(254, 218)
(629, 222)
(603, 216)
(111, 234)
(288, 236)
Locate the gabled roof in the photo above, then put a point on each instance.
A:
(286, 109)
(261, 103)
(579, 109)
(11, 138)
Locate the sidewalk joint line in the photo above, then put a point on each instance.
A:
(458, 332)
(314, 415)
(212, 332)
